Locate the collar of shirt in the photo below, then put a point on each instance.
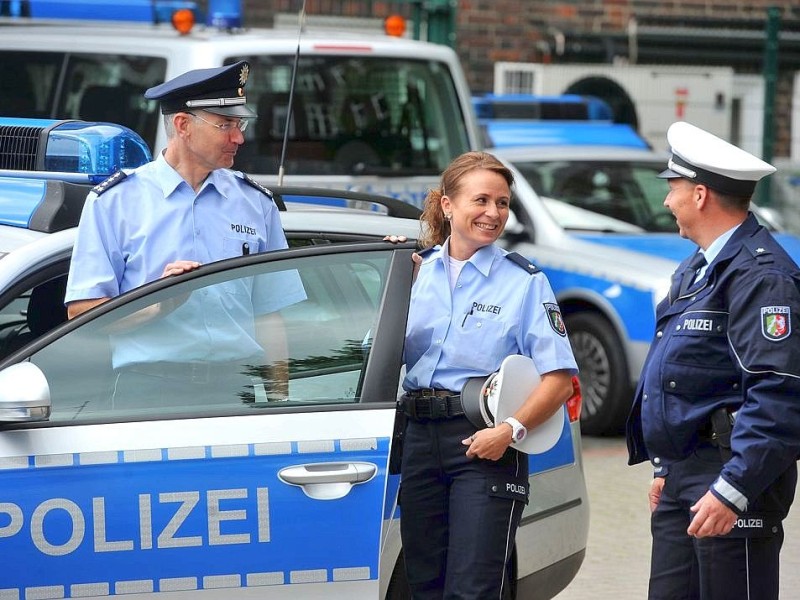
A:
(169, 179)
(482, 259)
(714, 249)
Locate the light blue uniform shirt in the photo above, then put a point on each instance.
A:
(128, 234)
(495, 309)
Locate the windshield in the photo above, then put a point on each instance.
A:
(86, 86)
(353, 115)
(628, 192)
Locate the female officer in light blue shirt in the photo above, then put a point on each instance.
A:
(472, 305)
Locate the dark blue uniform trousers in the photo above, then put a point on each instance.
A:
(741, 565)
(459, 515)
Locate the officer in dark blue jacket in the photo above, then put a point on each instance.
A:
(717, 409)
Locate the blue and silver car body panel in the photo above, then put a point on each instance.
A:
(148, 507)
(19, 200)
(623, 286)
(558, 509)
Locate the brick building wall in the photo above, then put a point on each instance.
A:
(529, 30)
(571, 31)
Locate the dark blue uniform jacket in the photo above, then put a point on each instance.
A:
(730, 341)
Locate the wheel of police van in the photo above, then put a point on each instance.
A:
(605, 384)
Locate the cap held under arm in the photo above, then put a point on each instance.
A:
(489, 401)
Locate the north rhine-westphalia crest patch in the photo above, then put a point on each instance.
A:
(776, 323)
(555, 318)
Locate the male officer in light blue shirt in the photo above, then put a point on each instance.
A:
(168, 217)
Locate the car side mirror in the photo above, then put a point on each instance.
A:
(24, 394)
(514, 230)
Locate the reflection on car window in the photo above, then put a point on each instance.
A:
(626, 191)
(31, 314)
(352, 115)
(224, 342)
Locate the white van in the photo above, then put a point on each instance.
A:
(371, 112)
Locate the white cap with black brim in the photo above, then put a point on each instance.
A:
(702, 157)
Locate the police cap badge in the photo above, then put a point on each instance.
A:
(219, 90)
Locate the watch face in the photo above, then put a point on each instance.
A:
(519, 434)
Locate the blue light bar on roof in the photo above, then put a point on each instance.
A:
(141, 11)
(503, 134)
(224, 14)
(90, 149)
(544, 107)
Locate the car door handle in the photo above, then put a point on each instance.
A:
(328, 481)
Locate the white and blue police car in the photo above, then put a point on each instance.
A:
(232, 495)
(592, 217)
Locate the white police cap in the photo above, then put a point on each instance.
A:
(488, 401)
(702, 157)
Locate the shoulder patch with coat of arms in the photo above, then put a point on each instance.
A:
(776, 322)
(554, 317)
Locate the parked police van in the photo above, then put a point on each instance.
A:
(377, 113)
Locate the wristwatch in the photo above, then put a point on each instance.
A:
(518, 431)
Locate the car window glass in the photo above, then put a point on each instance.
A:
(654, 191)
(90, 87)
(189, 348)
(13, 324)
(352, 115)
(625, 191)
(31, 314)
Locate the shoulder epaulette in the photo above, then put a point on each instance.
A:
(425, 252)
(762, 254)
(107, 184)
(522, 262)
(256, 185)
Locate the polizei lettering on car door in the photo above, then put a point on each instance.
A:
(188, 518)
(44, 524)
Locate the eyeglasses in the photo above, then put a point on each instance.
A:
(227, 126)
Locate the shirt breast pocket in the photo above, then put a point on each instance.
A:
(232, 247)
(700, 340)
(478, 344)
(698, 360)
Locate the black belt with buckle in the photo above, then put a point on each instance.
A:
(191, 372)
(431, 404)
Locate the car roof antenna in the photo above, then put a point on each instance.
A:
(300, 26)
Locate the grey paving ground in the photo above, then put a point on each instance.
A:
(618, 554)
